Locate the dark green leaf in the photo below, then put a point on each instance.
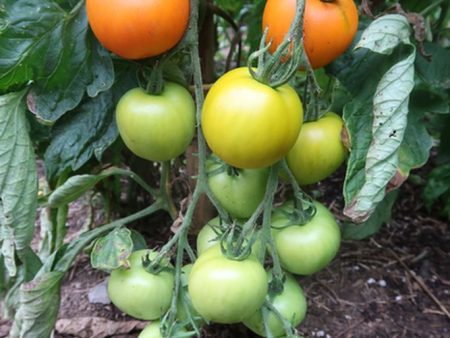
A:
(139, 242)
(438, 187)
(111, 251)
(87, 131)
(43, 43)
(428, 100)
(436, 70)
(18, 179)
(381, 215)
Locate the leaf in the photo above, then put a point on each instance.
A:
(385, 33)
(72, 189)
(111, 251)
(438, 187)
(436, 70)
(381, 215)
(38, 306)
(86, 131)
(18, 179)
(43, 43)
(374, 159)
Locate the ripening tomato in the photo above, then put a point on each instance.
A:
(157, 127)
(139, 293)
(140, 28)
(226, 291)
(329, 26)
(318, 151)
(308, 248)
(249, 124)
(290, 303)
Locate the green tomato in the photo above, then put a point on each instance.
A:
(138, 293)
(290, 303)
(318, 151)
(151, 331)
(157, 127)
(239, 191)
(208, 237)
(224, 290)
(306, 249)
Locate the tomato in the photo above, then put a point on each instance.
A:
(329, 27)
(157, 127)
(224, 290)
(140, 28)
(239, 191)
(306, 249)
(208, 237)
(248, 124)
(139, 293)
(153, 330)
(318, 151)
(290, 303)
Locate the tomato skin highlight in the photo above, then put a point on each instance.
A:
(329, 27)
(290, 303)
(224, 290)
(139, 293)
(318, 151)
(157, 127)
(248, 124)
(306, 249)
(137, 29)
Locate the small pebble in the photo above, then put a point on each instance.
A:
(320, 333)
(371, 281)
(99, 294)
(398, 298)
(382, 283)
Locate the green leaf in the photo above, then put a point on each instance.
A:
(438, 187)
(435, 70)
(111, 251)
(381, 215)
(54, 49)
(375, 162)
(72, 189)
(88, 130)
(38, 306)
(18, 179)
(425, 99)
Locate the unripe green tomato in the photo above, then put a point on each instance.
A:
(157, 127)
(290, 303)
(239, 191)
(207, 238)
(152, 330)
(138, 293)
(318, 151)
(224, 290)
(306, 249)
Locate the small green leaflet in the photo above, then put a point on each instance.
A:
(18, 179)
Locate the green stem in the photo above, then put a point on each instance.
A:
(165, 189)
(431, 7)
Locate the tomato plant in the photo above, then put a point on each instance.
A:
(225, 290)
(318, 151)
(139, 293)
(249, 124)
(152, 330)
(328, 28)
(308, 248)
(239, 191)
(157, 127)
(138, 29)
(290, 303)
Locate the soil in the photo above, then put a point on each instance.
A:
(395, 284)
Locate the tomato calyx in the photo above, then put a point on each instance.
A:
(277, 69)
(235, 244)
(156, 265)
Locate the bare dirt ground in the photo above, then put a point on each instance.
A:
(396, 284)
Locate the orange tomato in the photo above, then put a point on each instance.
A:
(138, 29)
(329, 27)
